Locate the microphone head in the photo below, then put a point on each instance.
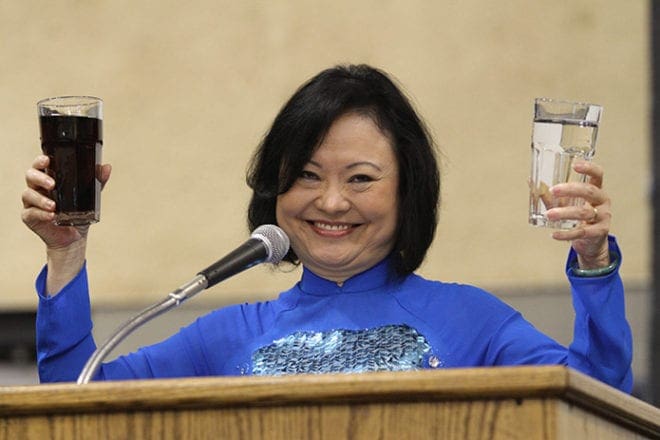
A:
(275, 240)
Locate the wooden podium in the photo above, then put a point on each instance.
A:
(550, 402)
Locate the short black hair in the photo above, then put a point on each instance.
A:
(301, 125)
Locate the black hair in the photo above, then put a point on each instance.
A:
(301, 125)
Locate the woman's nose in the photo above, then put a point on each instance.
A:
(331, 199)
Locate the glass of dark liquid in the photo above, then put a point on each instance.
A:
(72, 137)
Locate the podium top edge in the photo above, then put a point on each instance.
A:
(519, 382)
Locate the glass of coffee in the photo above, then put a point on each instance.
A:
(72, 137)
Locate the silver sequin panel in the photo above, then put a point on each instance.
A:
(388, 348)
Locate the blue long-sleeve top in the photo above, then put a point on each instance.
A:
(371, 322)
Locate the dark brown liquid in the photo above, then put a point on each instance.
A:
(73, 144)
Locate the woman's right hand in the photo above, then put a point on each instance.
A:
(65, 245)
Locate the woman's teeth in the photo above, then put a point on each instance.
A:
(328, 227)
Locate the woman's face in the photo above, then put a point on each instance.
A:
(341, 213)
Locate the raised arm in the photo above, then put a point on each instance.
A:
(65, 245)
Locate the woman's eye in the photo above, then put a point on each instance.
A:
(308, 175)
(361, 178)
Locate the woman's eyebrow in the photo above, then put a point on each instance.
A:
(367, 163)
(350, 166)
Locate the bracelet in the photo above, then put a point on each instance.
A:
(598, 272)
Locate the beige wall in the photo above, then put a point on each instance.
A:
(190, 88)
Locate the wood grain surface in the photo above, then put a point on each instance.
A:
(496, 403)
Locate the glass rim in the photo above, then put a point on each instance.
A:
(69, 100)
(567, 101)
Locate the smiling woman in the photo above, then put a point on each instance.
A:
(359, 112)
(341, 213)
(348, 171)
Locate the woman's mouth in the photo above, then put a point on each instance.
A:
(331, 229)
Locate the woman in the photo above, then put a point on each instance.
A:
(348, 171)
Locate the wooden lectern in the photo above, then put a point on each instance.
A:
(550, 402)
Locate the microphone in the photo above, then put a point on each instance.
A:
(267, 244)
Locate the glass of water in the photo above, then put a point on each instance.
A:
(563, 132)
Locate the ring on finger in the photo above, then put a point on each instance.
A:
(593, 218)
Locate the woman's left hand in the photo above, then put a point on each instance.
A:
(589, 238)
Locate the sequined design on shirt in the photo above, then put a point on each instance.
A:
(388, 348)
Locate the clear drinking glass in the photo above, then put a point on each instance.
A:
(562, 133)
(72, 137)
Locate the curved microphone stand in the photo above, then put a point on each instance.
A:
(175, 298)
(267, 244)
